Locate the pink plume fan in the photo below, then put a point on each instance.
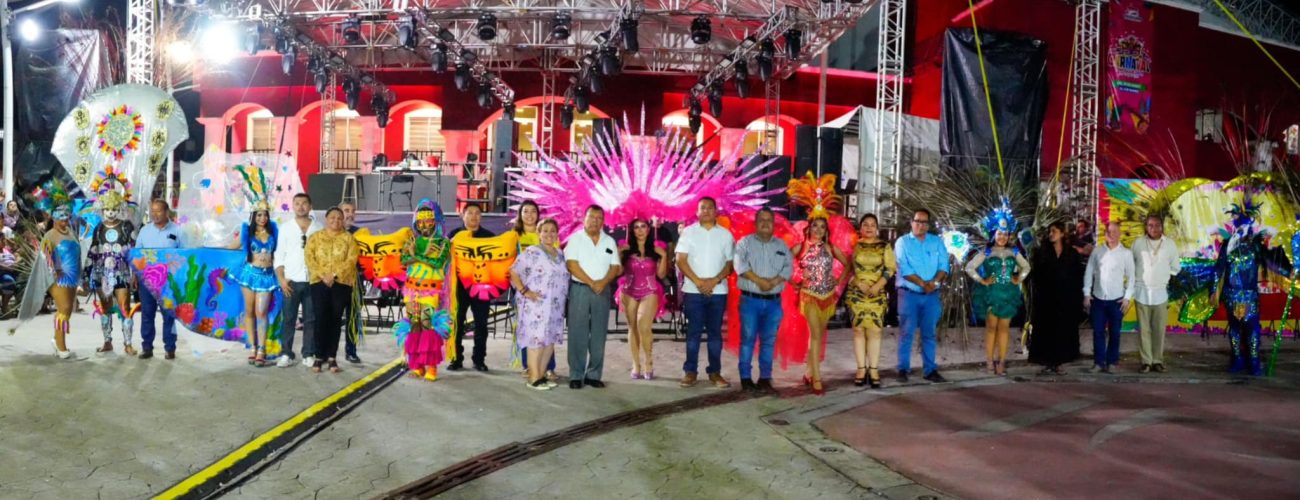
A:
(659, 178)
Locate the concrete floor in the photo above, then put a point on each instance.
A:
(113, 427)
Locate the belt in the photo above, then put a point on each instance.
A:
(760, 296)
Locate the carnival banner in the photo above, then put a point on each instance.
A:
(1128, 67)
(482, 265)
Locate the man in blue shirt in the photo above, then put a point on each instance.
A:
(159, 233)
(922, 267)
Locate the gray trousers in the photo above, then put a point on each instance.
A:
(301, 297)
(588, 327)
(1151, 332)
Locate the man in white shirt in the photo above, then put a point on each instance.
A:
(291, 269)
(593, 262)
(1155, 261)
(704, 255)
(1108, 284)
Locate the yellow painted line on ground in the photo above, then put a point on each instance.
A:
(244, 451)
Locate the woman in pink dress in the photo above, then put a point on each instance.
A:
(642, 294)
(542, 280)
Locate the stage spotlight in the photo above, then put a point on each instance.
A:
(580, 100)
(379, 105)
(596, 82)
(462, 77)
(701, 30)
(793, 43)
(438, 58)
(313, 64)
(766, 54)
(561, 26)
(715, 99)
(629, 28)
(610, 64)
(352, 30)
(253, 38)
(288, 57)
(322, 79)
(351, 93)
(220, 42)
(508, 111)
(694, 123)
(566, 116)
(487, 26)
(180, 52)
(406, 35)
(694, 108)
(484, 95)
(767, 48)
(742, 78)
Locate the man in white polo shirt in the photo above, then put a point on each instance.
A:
(704, 254)
(291, 269)
(593, 261)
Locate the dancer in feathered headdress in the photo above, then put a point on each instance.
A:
(426, 256)
(258, 239)
(815, 260)
(57, 273)
(998, 272)
(108, 271)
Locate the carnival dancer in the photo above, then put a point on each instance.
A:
(258, 239)
(815, 258)
(1241, 257)
(58, 273)
(426, 257)
(641, 293)
(998, 271)
(108, 273)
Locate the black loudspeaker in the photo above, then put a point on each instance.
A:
(830, 157)
(780, 180)
(503, 148)
(805, 150)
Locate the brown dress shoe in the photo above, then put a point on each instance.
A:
(718, 381)
(688, 380)
(1158, 367)
(107, 347)
(130, 351)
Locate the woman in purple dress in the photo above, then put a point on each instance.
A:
(542, 280)
(641, 293)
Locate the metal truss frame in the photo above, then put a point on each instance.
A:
(329, 105)
(141, 21)
(888, 123)
(1264, 19)
(1084, 99)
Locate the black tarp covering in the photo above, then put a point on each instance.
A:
(52, 75)
(1017, 73)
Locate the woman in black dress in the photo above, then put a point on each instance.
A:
(1056, 284)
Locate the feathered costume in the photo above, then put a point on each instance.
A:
(1244, 252)
(423, 333)
(257, 279)
(1004, 297)
(58, 262)
(108, 262)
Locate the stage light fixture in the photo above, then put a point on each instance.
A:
(181, 52)
(253, 38)
(580, 100)
(406, 35)
(352, 30)
(438, 58)
(694, 123)
(487, 26)
(793, 42)
(288, 57)
(484, 95)
(462, 78)
(379, 105)
(468, 56)
(566, 116)
(715, 99)
(508, 111)
(767, 48)
(693, 108)
(220, 42)
(742, 78)
(313, 64)
(610, 65)
(322, 80)
(701, 30)
(629, 28)
(595, 81)
(351, 93)
(766, 54)
(561, 26)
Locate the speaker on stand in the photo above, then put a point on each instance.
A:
(805, 150)
(503, 147)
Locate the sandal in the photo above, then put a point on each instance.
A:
(875, 377)
(316, 366)
(260, 360)
(860, 380)
(334, 366)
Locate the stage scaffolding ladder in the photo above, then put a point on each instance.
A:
(891, 64)
(1084, 103)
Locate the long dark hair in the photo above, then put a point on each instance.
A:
(633, 249)
(807, 233)
(519, 219)
(273, 233)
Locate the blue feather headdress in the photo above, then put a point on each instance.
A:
(999, 218)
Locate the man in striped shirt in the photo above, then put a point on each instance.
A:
(763, 263)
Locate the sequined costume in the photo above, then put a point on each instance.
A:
(428, 322)
(818, 292)
(1240, 258)
(872, 261)
(109, 266)
(258, 279)
(1004, 297)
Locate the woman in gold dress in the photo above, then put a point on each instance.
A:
(873, 265)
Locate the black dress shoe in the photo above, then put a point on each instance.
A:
(748, 385)
(352, 358)
(764, 386)
(902, 376)
(456, 366)
(594, 383)
(480, 367)
(575, 384)
(935, 377)
(146, 354)
(170, 355)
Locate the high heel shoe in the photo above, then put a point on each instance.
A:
(875, 377)
(817, 387)
(61, 354)
(807, 382)
(860, 380)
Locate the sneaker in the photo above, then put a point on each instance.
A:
(718, 381)
(935, 377)
(539, 385)
(284, 362)
(308, 361)
(1145, 368)
(688, 380)
(1097, 369)
(352, 358)
(1158, 367)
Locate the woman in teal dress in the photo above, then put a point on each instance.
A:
(998, 271)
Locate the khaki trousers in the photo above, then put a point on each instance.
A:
(1151, 331)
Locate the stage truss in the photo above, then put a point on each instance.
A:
(525, 41)
(1084, 102)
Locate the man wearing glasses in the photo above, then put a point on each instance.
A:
(291, 269)
(922, 268)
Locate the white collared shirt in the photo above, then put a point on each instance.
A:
(289, 247)
(596, 258)
(1110, 273)
(707, 251)
(1155, 262)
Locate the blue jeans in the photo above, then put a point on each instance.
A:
(758, 318)
(149, 310)
(704, 312)
(1106, 315)
(918, 310)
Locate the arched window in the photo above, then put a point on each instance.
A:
(347, 130)
(262, 132)
(756, 142)
(424, 130)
